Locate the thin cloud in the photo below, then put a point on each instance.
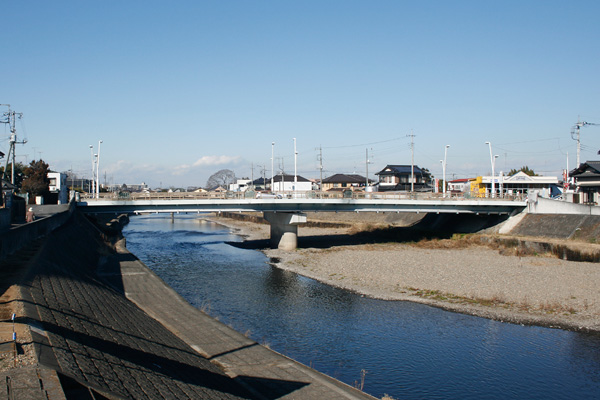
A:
(209, 161)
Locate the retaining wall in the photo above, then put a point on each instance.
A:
(541, 205)
(19, 236)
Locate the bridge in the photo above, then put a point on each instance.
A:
(285, 214)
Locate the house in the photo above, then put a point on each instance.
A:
(587, 181)
(515, 185)
(241, 185)
(344, 181)
(59, 191)
(404, 178)
(285, 183)
(261, 184)
(129, 187)
(459, 185)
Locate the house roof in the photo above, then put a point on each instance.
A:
(522, 177)
(463, 180)
(289, 178)
(345, 178)
(399, 169)
(261, 181)
(589, 167)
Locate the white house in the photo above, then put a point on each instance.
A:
(459, 185)
(240, 186)
(285, 183)
(58, 186)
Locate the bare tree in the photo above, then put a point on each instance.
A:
(220, 178)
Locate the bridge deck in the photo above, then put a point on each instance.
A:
(457, 206)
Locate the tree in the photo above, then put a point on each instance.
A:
(523, 169)
(427, 177)
(220, 178)
(19, 172)
(36, 181)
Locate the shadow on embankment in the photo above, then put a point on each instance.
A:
(431, 226)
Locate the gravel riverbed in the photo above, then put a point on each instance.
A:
(472, 279)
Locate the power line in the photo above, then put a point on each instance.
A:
(362, 144)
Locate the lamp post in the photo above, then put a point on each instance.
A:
(92, 190)
(98, 172)
(295, 168)
(493, 194)
(272, 170)
(493, 169)
(444, 168)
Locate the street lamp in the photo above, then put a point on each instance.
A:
(272, 170)
(92, 190)
(295, 168)
(493, 194)
(495, 157)
(98, 172)
(444, 168)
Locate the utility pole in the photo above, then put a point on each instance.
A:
(412, 161)
(92, 190)
(264, 171)
(320, 158)
(11, 117)
(367, 164)
(98, 172)
(444, 170)
(272, 170)
(295, 168)
(575, 135)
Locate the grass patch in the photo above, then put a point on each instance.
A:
(496, 301)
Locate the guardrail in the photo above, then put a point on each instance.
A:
(293, 195)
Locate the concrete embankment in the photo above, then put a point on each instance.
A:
(94, 321)
(567, 236)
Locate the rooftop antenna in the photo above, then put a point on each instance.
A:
(11, 117)
(575, 135)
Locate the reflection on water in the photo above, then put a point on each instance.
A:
(408, 350)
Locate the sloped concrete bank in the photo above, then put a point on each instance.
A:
(88, 332)
(103, 325)
(569, 237)
(565, 236)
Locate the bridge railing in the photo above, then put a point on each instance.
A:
(348, 194)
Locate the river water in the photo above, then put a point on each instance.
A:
(407, 350)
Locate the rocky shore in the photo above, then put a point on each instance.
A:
(469, 274)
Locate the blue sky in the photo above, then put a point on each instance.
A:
(178, 90)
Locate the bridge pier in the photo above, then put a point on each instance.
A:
(284, 228)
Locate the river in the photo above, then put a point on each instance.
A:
(402, 349)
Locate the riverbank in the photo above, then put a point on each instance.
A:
(471, 274)
(91, 320)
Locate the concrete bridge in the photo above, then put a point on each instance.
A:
(284, 215)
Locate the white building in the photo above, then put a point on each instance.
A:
(285, 183)
(240, 186)
(521, 184)
(58, 186)
(127, 187)
(459, 185)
